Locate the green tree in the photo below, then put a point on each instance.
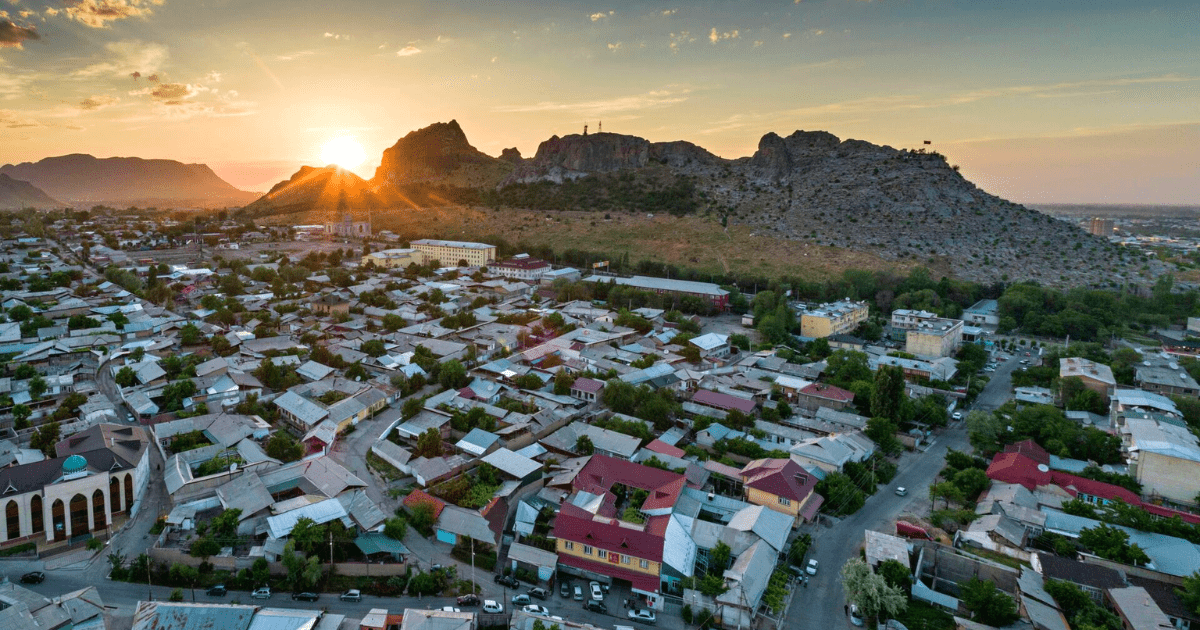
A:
(204, 547)
(20, 414)
(126, 377)
(453, 375)
(37, 387)
(987, 604)
(887, 394)
(25, 371)
(395, 528)
(429, 443)
(870, 592)
(584, 446)
(562, 383)
(882, 431)
(421, 517)
(1190, 593)
(307, 535)
(393, 322)
(189, 335)
(1109, 542)
(284, 447)
(947, 492)
(224, 525)
(971, 482)
(896, 574)
(847, 366)
(189, 575)
(45, 438)
(718, 559)
(373, 348)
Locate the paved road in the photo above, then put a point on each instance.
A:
(819, 606)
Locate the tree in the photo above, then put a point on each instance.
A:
(847, 366)
(301, 573)
(45, 438)
(1190, 594)
(126, 377)
(887, 393)
(452, 375)
(395, 528)
(393, 322)
(896, 574)
(429, 443)
(718, 559)
(971, 482)
(946, 491)
(987, 604)
(25, 371)
(204, 547)
(584, 446)
(870, 592)
(421, 517)
(189, 335)
(187, 574)
(284, 447)
(224, 525)
(563, 380)
(882, 431)
(37, 387)
(373, 348)
(1109, 542)
(984, 429)
(21, 415)
(307, 534)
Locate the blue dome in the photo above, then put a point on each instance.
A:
(74, 464)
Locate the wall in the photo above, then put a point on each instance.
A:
(171, 556)
(577, 552)
(768, 500)
(1174, 478)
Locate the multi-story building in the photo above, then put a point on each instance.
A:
(712, 293)
(1101, 227)
(935, 337)
(1095, 376)
(392, 258)
(452, 252)
(1163, 456)
(1166, 378)
(984, 313)
(521, 267)
(834, 318)
(782, 485)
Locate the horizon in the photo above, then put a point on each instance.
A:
(1038, 104)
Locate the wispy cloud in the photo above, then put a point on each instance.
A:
(98, 13)
(98, 102)
(127, 57)
(615, 47)
(13, 35)
(300, 54)
(336, 36)
(714, 36)
(596, 17)
(16, 120)
(650, 100)
(679, 39)
(669, 12)
(408, 51)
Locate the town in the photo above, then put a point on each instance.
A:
(209, 423)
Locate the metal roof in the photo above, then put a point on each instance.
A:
(322, 512)
(375, 542)
(180, 616)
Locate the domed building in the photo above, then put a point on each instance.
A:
(92, 487)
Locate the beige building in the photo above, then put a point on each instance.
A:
(835, 318)
(1095, 376)
(937, 337)
(93, 485)
(392, 258)
(449, 253)
(1163, 457)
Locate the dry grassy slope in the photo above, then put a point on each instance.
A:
(696, 242)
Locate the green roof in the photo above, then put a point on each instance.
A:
(375, 542)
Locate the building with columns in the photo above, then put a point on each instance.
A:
(94, 484)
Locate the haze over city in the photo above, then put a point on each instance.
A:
(1038, 102)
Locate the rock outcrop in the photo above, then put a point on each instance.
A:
(322, 190)
(438, 154)
(82, 179)
(16, 195)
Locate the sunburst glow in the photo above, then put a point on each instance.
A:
(345, 152)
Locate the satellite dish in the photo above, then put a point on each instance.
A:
(1043, 468)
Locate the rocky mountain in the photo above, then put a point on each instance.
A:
(16, 194)
(81, 179)
(439, 154)
(321, 191)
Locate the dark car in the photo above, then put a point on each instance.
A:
(33, 577)
(217, 591)
(564, 588)
(507, 580)
(538, 592)
(468, 600)
(305, 596)
(595, 606)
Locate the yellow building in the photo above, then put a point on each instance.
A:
(781, 485)
(835, 318)
(937, 337)
(392, 258)
(450, 253)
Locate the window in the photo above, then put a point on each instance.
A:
(587, 550)
(645, 564)
(784, 501)
(624, 559)
(569, 546)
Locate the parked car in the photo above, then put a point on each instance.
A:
(643, 615)
(539, 592)
(305, 596)
(450, 609)
(901, 491)
(855, 618)
(958, 415)
(595, 606)
(261, 593)
(216, 591)
(597, 592)
(564, 588)
(578, 594)
(33, 577)
(812, 567)
(520, 599)
(534, 609)
(470, 599)
(507, 580)
(492, 606)
(352, 595)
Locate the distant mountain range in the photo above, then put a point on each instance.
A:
(16, 195)
(907, 206)
(82, 180)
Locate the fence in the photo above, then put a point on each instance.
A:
(355, 569)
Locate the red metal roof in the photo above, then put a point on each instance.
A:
(821, 390)
(659, 446)
(1030, 449)
(602, 471)
(589, 385)
(640, 581)
(579, 526)
(780, 477)
(722, 401)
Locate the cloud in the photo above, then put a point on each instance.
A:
(596, 17)
(98, 102)
(127, 57)
(816, 32)
(213, 77)
(650, 100)
(336, 36)
(16, 120)
(12, 35)
(715, 37)
(170, 93)
(98, 13)
(669, 12)
(296, 55)
(408, 51)
(680, 38)
(615, 47)
(787, 35)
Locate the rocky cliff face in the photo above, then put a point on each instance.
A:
(575, 156)
(16, 195)
(438, 154)
(83, 179)
(321, 190)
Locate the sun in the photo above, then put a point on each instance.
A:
(345, 152)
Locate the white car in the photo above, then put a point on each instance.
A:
(261, 593)
(534, 609)
(597, 591)
(811, 569)
(855, 618)
(492, 606)
(901, 491)
(958, 415)
(450, 609)
(643, 615)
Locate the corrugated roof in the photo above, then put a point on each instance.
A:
(180, 616)
(321, 512)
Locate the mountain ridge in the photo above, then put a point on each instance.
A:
(16, 194)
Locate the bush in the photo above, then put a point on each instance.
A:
(686, 614)
(177, 595)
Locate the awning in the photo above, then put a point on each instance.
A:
(810, 509)
(375, 542)
(640, 581)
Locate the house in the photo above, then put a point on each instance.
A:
(831, 452)
(984, 313)
(1137, 610)
(588, 389)
(712, 345)
(1094, 376)
(723, 402)
(833, 319)
(521, 267)
(1168, 379)
(418, 619)
(330, 304)
(392, 258)
(604, 441)
(1164, 457)
(816, 395)
(938, 337)
(781, 485)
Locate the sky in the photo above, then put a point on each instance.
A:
(1039, 101)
